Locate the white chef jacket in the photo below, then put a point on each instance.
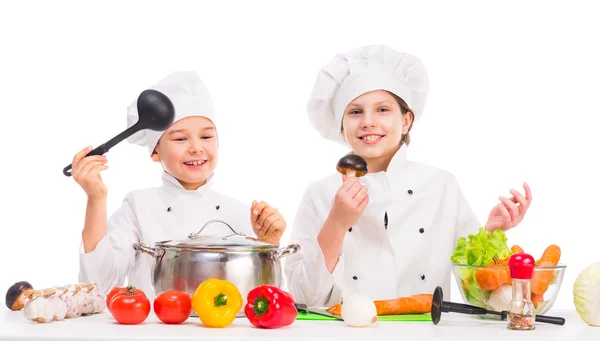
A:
(169, 212)
(401, 245)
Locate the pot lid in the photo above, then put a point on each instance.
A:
(234, 241)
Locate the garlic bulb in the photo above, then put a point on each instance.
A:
(98, 302)
(84, 303)
(359, 311)
(40, 310)
(71, 305)
(63, 302)
(60, 307)
(500, 298)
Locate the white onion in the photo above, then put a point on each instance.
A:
(500, 298)
(359, 311)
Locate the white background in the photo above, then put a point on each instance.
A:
(514, 98)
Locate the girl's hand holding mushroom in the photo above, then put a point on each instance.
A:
(349, 203)
(352, 198)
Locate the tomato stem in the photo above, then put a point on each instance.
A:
(129, 290)
(220, 300)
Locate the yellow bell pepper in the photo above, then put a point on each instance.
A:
(217, 302)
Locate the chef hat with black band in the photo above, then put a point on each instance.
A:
(369, 68)
(190, 97)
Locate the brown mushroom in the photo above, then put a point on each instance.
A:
(352, 165)
(16, 295)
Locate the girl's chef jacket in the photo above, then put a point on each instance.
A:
(400, 246)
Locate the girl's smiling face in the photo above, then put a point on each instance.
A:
(188, 150)
(373, 125)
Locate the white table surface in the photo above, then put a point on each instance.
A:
(14, 326)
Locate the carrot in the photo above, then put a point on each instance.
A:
(541, 278)
(537, 299)
(490, 279)
(335, 309)
(416, 304)
(516, 249)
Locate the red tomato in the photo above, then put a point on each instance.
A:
(173, 307)
(115, 290)
(111, 294)
(130, 306)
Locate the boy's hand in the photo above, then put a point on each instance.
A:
(86, 172)
(268, 224)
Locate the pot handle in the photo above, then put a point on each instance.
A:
(194, 235)
(288, 250)
(143, 248)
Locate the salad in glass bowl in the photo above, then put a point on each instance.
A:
(480, 267)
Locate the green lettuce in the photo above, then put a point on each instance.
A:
(478, 250)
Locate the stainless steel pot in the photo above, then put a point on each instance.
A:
(184, 264)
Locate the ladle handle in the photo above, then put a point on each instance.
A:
(550, 319)
(105, 147)
(100, 150)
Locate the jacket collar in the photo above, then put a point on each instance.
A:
(170, 182)
(398, 161)
(392, 176)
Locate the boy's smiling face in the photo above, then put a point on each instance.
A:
(188, 150)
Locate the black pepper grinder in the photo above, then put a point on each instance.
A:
(521, 311)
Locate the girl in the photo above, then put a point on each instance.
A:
(390, 233)
(188, 153)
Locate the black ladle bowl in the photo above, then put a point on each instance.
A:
(156, 112)
(439, 306)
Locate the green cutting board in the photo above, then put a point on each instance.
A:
(383, 318)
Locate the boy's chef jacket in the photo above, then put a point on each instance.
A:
(169, 212)
(401, 245)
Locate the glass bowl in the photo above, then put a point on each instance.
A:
(469, 277)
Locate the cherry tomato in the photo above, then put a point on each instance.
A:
(173, 307)
(130, 306)
(115, 290)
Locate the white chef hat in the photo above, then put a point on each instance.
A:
(190, 97)
(351, 74)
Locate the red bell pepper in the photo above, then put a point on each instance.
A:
(270, 307)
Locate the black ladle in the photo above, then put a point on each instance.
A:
(439, 306)
(156, 112)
